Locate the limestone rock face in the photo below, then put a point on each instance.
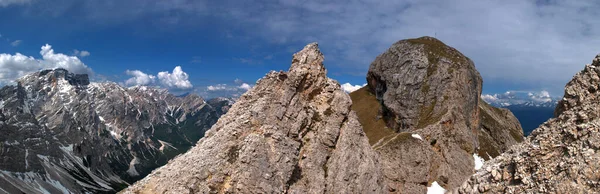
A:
(420, 80)
(293, 132)
(561, 156)
(59, 133)
(500, 130)
(430, 97)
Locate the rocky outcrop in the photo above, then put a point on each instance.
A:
(221, 104)
(500, 130)
(293, 132)
(59, 133)
(429, 97)
(561, 156)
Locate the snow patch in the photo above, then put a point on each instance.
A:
(478, 161)
(435, 188)
(26, 161)
(163, 144)
(131, 171)
(417, 136)
(67, 148)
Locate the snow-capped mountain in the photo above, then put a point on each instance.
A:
(521, 99)
(59, 133)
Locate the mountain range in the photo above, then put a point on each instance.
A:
(63, 134)
(419, 125)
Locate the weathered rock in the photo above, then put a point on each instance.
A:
(221, 105)
(561, 156)
(429, 89)
(500, 130)
(418, 81)
(61, 134)
(293, 132)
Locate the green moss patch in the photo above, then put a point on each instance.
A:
(367, 107)
(435, 49)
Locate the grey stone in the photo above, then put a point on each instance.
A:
(428, 88)
(62, 134)
(556, 157)
(295, 126)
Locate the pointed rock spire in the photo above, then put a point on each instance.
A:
(293, 132)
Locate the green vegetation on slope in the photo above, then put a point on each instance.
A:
(435, 49)
(366, 106)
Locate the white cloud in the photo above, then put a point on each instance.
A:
(348, 88)
(81, 53)
(218, 87)
(18, 65)
(238, 81)
(16, 43)
(245, 86)
(139, 78)
(176, 80)
(543, 96)
(71, 63)
(489, 98)
(4, 3)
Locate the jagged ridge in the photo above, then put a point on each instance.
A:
(293, 132)
(561, 156)
(63, 134)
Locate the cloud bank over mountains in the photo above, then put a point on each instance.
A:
(13, 66)
(520, 97)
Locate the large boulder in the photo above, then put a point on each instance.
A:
(294, 132)
(428, 98)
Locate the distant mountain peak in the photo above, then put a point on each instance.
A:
(69, 135)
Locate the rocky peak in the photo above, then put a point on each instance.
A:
(581, 90)
(432, 76)
(65, 135)
(293, 132)
(60, 73)
(560, 156)
(429, 120)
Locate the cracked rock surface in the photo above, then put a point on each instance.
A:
(294, 132)
(561, 156)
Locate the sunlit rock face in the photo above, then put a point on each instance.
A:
(294, 132)
(560, 156)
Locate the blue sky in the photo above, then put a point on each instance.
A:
(521, 46)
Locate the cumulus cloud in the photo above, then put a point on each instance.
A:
(82, 53)
(176, 80)
(348, 88)
(17, 65)
(71, 63)
(139, 78)
(543, 96)
(245, 86)
(237, 88)
(219, 87)
(16, 43)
